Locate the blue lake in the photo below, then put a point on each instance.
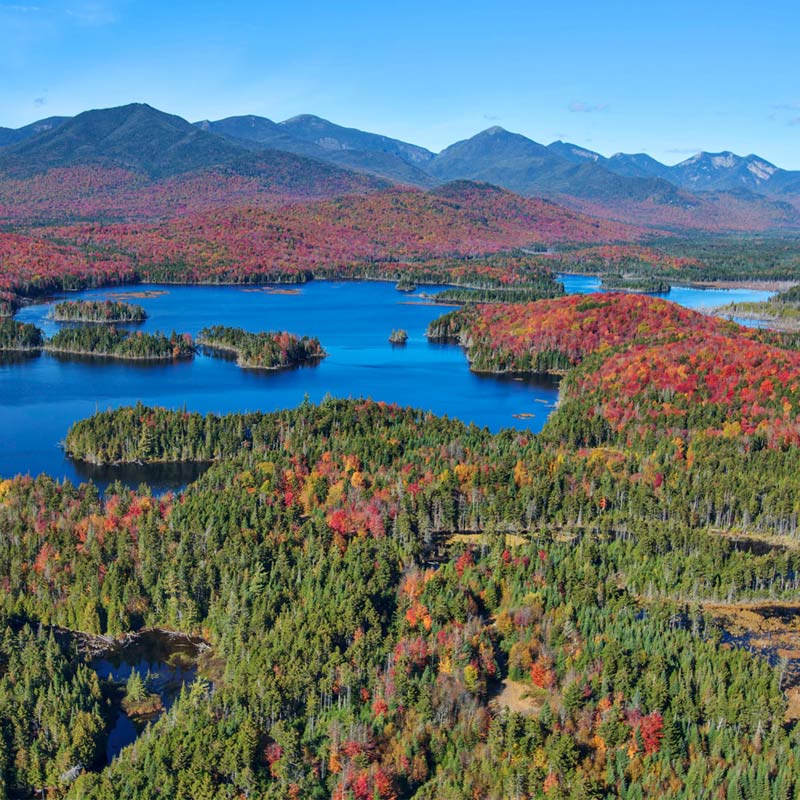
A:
(41, 396)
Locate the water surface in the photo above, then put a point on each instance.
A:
(689, 296)
(41, 396)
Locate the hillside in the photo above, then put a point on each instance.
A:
(710, 212)
(456, 233)
(384, 234)
(587, 181)
(637, 165)
(346, 147)
(135, 137)
(135, 162)
(9, 136)
(529, 168)
(330, 136)
(258, 132)
(726, 172)
(702, 172)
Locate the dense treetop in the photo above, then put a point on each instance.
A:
(266, 350)
(401, 606)
(655, 368)
(361, 650)
(19, 336)
(106, 311)
(565, 330)
(112, 342)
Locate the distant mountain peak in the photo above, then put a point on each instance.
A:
(727, 171)
(527, 167)
(722, 160)
(149, 142)
(305, 118)
(336, 138)
(761, 169)
(725, 160)
(575, 153)
(318, 138)
(9, 136)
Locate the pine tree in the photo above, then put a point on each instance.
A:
(135, 688)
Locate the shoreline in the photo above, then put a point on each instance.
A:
(751, 284)
(136, 462)
(771, 322)
(87, 320)
(114, 356)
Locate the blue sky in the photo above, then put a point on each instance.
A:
(663, 78)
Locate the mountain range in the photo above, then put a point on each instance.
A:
(708, 190)
(704, 172)
(13, 135)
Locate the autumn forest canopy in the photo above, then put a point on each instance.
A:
(371, 577)
(394, 605)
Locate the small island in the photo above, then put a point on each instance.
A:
(398, 336)
(113, 343)
(100, 311)
(266, 350)
(405, 285)
(139, 703)
(637, 284)
(19, 336)
(528, 293)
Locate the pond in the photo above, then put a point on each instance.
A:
(164, 660)
(41, 396)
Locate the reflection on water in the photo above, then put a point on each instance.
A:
(15, 357)
(167, 662)
(160, 477)
(98, 361)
